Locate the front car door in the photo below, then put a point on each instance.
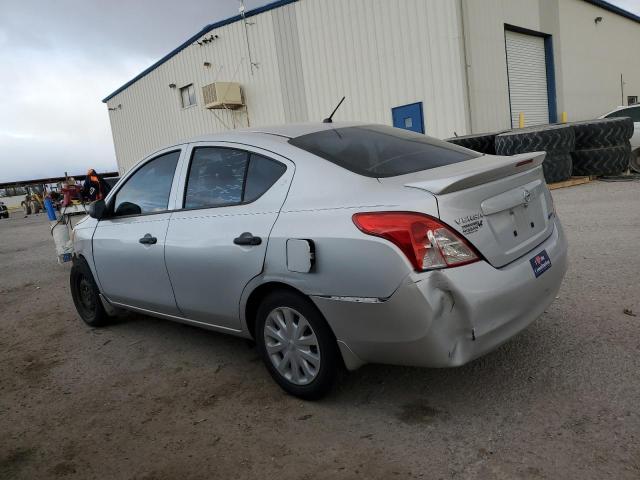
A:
(128, 245)
(228, 191)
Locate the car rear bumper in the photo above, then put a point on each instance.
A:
(449, 317)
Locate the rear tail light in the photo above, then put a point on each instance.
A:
(427, 243)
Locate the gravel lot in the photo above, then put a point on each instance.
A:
(149, 399)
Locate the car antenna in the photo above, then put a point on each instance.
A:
(329, 118)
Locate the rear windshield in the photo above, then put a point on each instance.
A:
(381, 151)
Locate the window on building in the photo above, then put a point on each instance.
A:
(188, 95)
(147, 190)
(632, 99)
(224, 177)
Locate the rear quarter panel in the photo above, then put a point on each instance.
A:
(320, 205)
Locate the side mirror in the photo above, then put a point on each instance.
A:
(128, 208)
(97, 209)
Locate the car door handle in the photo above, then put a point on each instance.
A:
(247, 238)
(148, 240)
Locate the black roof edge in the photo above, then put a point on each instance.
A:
(615, 9)
(190, 40)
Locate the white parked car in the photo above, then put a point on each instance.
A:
(633, 112)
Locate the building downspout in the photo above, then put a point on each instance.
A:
(466, 66)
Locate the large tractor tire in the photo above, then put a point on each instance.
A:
(557, 167)
(602, 161)
(545, 138)
(557, 140)
(602, 133)
(480, 142)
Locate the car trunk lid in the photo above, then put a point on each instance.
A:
(501, 205)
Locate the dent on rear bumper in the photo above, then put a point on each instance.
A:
(449, 317)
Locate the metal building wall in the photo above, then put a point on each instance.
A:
(593, 56)
(379, 53)
(588, 57)
(151, 115)
(486, 56)
(382, 54)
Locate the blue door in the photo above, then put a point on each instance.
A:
(409, 117)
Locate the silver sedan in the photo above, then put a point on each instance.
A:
(327, 244)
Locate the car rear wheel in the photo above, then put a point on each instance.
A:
(86, 296)
(297, 345)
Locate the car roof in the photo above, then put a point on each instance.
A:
(617, 109)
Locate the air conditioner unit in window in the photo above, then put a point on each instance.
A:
(222, 95)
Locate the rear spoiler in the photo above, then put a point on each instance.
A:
(484, 169)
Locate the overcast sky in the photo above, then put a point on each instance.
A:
(59, 58)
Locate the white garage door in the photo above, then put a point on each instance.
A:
(527, 78)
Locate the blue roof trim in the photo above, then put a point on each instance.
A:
(614, 9)
(204, 31)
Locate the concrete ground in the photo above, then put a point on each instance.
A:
(150, 399)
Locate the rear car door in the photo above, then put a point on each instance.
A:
(217, 242)
(128, 245)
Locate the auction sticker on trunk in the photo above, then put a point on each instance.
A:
(540, 263)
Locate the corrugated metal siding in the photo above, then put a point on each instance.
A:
(382, 54)
(527, 78)
(379, 53)
(285, 29)
(152, 116)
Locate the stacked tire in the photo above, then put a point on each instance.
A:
(557, 140)
(602, 146)
(480, 142)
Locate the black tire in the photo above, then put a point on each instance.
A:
(85, 294)
(603, 132)
(480, 142)
(602, 161)
(327, 372)
(547, 138)
(557, 167)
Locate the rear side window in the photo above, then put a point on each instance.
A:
(262, 174)
(633, 113)
(148, 189)
(381, 151)
(223, 177)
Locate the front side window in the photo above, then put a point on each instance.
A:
(148, 189)
(381, 151)
(633, 113)
(188, 95)
(225, 176)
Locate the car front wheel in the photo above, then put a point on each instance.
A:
(86, 295)
(297, 345)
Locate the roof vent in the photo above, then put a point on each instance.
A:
(222, 95)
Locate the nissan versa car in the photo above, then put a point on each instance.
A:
(327, 244)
